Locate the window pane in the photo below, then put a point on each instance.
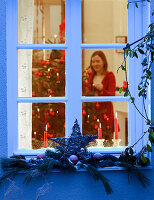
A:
(38, 122)
(41, 22)
(41, 73)
(99, 73)
(111, 117)
(103, 20)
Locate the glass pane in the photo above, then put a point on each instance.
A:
(104, 20)
(107, 119)
(41, 73)
(38, 122)
(41, 21)
(99, 73)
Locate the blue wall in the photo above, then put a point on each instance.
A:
(69, 186)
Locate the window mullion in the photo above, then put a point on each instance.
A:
(73, 64)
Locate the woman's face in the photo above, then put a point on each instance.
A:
(97, 64)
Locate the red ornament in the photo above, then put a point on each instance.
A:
(55, 69)
(84, 113)
(40, 73)
(61, 61)
(48, 125)
(95, 117)
(40, 156)
(125, 85)
(105, 116)
(48, 62)
(50, 135)
(96, 127)
(52, 113)
(73, 159)
(36, 73)
(33, 94)
(46, 114)
(51, 91)
(97, 156)
(97, 106)
(43, 62)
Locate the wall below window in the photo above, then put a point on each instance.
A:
(69, 186)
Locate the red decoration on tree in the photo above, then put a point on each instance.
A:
(40, 74)
(33, 94)
(52, 113)
(84, 113)
(97, 106)
(61, 61)
(48, 62)
(105, 116)
(96, 127)
(95, 117)
(36, 73)
(43, 62)
(51, 92)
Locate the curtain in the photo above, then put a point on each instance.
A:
(25, 36)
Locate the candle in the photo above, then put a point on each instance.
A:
(88, 119)
(93, 87)
(55, 37)
(116, 126)
(35, 135)
(58, 81)
(100, 132)
(45, 137)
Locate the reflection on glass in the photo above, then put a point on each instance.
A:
(41, 21)
(99, 73)
(38, 122)
(41, 73)
(103, 20)
(107, 119)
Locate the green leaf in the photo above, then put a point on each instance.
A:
(143, 159)
(126, 94)
(149, 148)
(122, 67)
(151, 138)
(140, 51)
(136, 5)
(135, 54)
(120, 90)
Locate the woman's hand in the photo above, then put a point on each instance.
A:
(99, 86)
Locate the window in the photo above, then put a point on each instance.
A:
(49, 51)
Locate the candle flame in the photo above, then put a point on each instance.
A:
(116, 114)
(46, 128)
(88, 116)
(55, 36)
(48, 69)
(97, 120)
(38, 110)
(100, 125)
(57, 74)
(35, 133)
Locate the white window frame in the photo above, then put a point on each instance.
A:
(137, 26)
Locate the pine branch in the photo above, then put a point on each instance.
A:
(97, 175)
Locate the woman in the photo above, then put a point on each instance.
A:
(102, 83)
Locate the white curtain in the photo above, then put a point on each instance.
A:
(25, 36)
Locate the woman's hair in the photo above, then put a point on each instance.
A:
(103, 57)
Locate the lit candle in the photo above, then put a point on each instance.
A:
(100, 132)
(88, 119)
(58, 81)
(35, 135)
(93, 87)
(48, 71)
(55, 37)
(45, 137)
(116, 126)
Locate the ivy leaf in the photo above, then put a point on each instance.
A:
(122, 67)
(140, 51)
(136, 5)
(135, 54)
(151, 139)
(149, 148)
(120, 90)
(126, 94)
(143, 159)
